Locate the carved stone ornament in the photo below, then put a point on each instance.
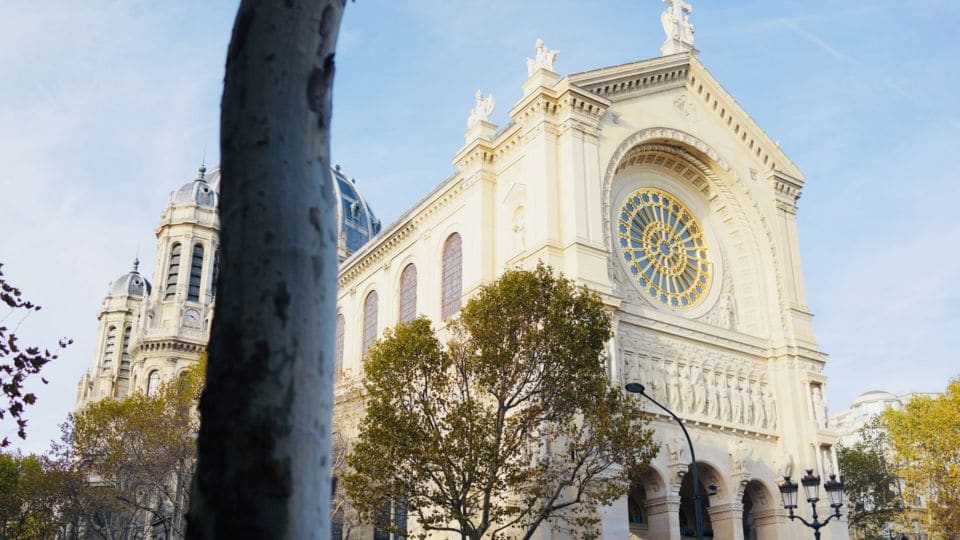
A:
(544, 59)
(482, 110)
(688, 111)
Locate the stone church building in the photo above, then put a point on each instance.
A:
(646, 182)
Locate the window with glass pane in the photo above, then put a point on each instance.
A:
(125, 354)
(452, 276)
(173, 272)
(369, 320)
(108, 346)
(153, 382)
(196, 271)
(408, 293)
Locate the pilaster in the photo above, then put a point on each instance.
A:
(727, 520)
(663, 515)
(769, 524)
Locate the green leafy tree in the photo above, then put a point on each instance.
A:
(16, 361)
(138, 455)
(870, 481)
(925, 437)
(37, 495)
(510, 424)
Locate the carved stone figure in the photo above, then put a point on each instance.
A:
(784, 465)
(726, 315)
(678, 450)
(736, 405)
(713, 399)
(544, 59)
(770, 409)
(819, 407)
(482, 110)
(699, 391)
(738, 455)
(673, 388)
(746, 404)
(760, 417)
(724, 394)
(686, 389)
(676, 25)
(826, 457)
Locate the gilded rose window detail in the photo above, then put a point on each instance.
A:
(664, 248)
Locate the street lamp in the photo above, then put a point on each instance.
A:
(637, 388)
(811, 488)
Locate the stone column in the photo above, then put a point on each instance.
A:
(769, 524)
(663, 517)
(727, 520)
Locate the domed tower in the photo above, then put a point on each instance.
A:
(110, 375)
(150, 335)
(174, 327)
(356, 220)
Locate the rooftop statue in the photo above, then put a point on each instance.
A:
(676, 25)
(482, 110)
(544, 59)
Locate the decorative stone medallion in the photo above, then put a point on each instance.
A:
(665, 249)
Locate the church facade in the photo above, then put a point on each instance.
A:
(645, 182)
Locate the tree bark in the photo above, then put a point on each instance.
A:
(264, 443)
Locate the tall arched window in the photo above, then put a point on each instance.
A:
(153, 382)
(215, 272)
(338, 348)
(408, 293)
(173, 272)
(108, 346)
(125, 353)
(369, 320)
(452, 276)
(196, 270)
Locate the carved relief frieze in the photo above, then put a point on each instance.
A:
(700, 383)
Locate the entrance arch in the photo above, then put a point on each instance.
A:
(762, 515)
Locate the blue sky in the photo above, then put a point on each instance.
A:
(107, 106)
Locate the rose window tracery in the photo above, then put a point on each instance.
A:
(665, 248)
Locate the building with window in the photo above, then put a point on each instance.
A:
(646, 182)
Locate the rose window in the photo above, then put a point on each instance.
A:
(664, 248)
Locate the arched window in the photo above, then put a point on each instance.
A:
(173, 272)
(108, 346)
(338, 348)
(369, 320)
(452, 276)
(196, 270)
(125, 353)
(215, 273)
(153, 382)
(408, 293)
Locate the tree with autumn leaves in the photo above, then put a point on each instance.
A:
(925, 437)
(124, 466)
(511, 423)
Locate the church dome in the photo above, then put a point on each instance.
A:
(199, 192)
(130, 284)
(874, 396)
(355, 218)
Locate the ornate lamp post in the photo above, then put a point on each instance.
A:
(637, 388)
(811, 488)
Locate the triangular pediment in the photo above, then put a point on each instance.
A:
(628, 81)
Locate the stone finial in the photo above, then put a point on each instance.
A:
(676, 25)
(544, 59)
(482, 110)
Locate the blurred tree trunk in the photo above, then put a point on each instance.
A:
(264, 442)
